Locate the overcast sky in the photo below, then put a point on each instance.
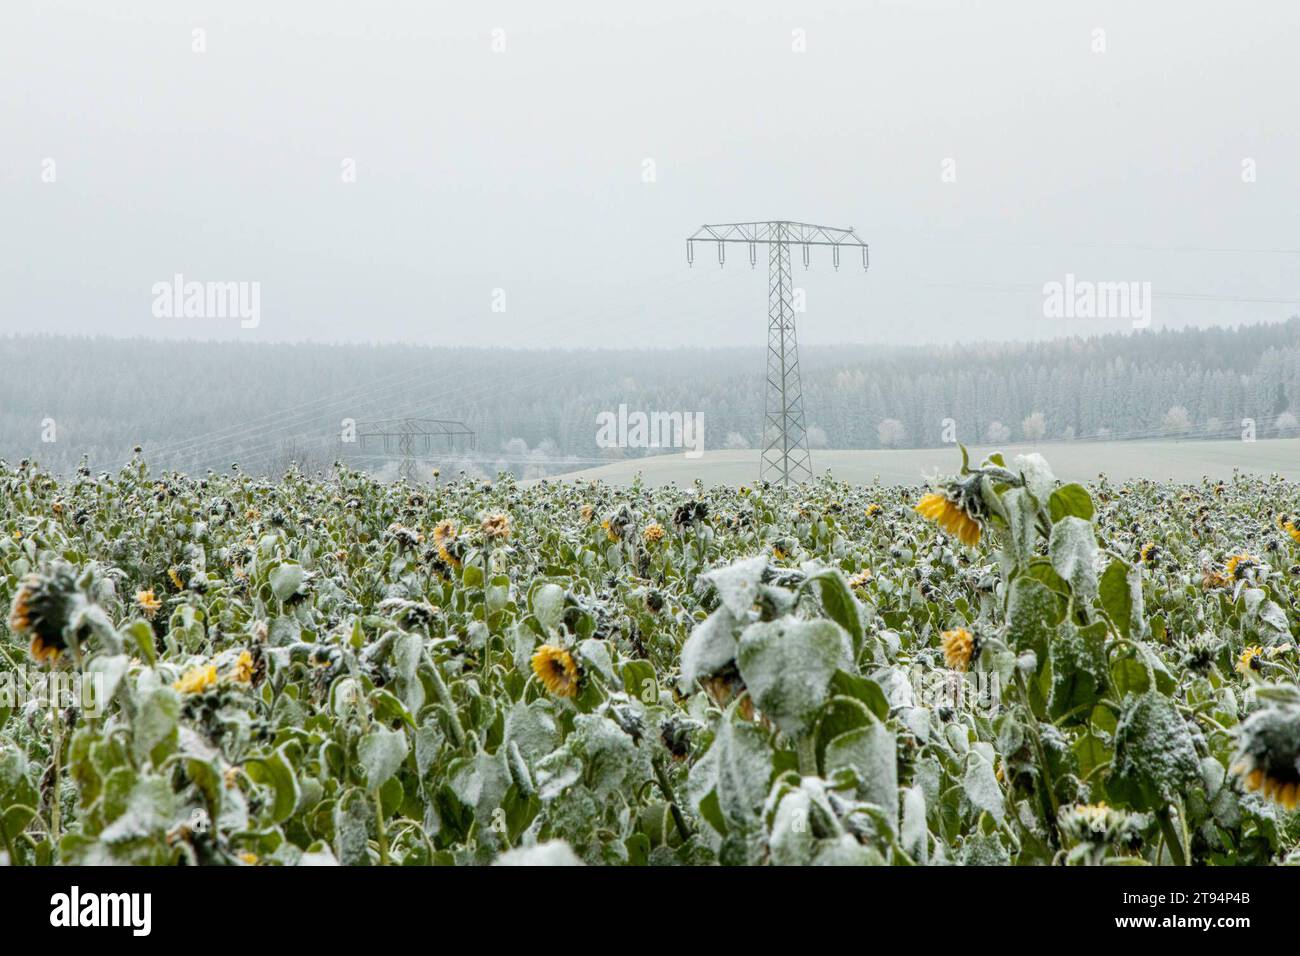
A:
(524, 169)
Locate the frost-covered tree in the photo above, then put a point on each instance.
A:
(997, 433)
(1034, 427)
(1176, 421)
(892, 433)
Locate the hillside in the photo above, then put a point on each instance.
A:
(1180, 461)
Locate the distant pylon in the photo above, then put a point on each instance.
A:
(785, 457)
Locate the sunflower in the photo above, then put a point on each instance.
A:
(1150, 553)
(404, 536)
(174, 575)
(587, 512)
(1292, 531)
(860, 579)
(247, 858)
(557, 670)
(610, 533)
(496, 526)
(960, 648)
(148, 602)
(1268, 758)
(1240, 566)
(197, 679)
(1212, 578)
(243, 672)
(1096, 823)
(444, 539)
(42, 610)
(957, 507)
(1250, 660)
(873, 509)
(653, 533)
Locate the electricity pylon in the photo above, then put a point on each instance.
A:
(414, 438)
(785, 437)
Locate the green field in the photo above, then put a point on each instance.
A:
(1073, 461)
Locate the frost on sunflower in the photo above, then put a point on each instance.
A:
(346, 671)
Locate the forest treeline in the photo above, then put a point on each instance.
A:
(199, 405)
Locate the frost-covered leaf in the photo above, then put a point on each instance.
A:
(737, 584)
(711, 647)
(1073, 550)
(380, 753)
(1155, 758)
(549, 853)
(788, 664)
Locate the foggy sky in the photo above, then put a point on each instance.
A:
(523, 170)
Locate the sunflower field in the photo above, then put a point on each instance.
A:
(997, 668)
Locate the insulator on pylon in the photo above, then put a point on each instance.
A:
(864, 259)
(753, 254)
(805, 255)
(690, 253)
(835, 256)
(722, 254)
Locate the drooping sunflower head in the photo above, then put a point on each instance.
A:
(174, 575)
(1268, 755)
(557, 670)
(1212, 578)
(653, 533)
(873, 509)
(957, 507)
(1240, 566)
(443, 530)
(496, 526)
(1250, 660)
(404, 536)
(43, 610)
(960, 648)
(1292, 531)
(587, 512)
(148, 602)
(1150, 553)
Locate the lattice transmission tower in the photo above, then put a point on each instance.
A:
(414, 439)
(785, 455)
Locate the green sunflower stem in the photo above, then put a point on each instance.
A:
(806, 748)
(1172, 839)
(380, 830)
(666, 787)
(444, 698)
(56, 804)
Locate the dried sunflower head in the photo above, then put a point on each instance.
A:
(44, 609)
(1268, 755)
(496, 526)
